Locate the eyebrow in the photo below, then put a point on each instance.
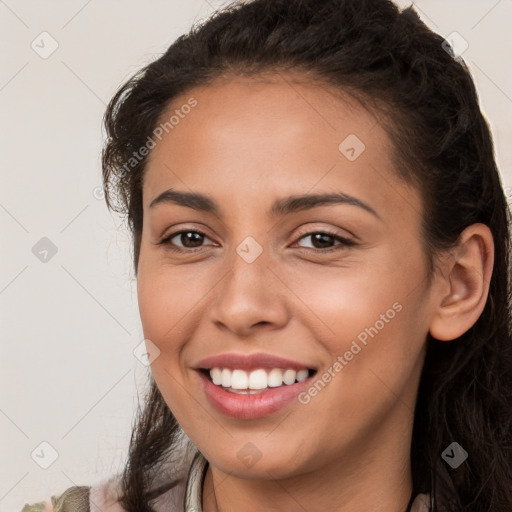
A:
(280, 207)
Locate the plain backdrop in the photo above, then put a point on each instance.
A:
(69, 318)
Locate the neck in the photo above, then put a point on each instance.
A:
(378, 478)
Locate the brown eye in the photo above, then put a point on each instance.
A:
(189, 239)
(323, 241)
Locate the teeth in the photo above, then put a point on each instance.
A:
(216, 375)
(257, 379)
(239, 380)
(275, 378)
(302, 375)
(226, 378)
(289, 377)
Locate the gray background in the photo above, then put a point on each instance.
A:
(70, 324)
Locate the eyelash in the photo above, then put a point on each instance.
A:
(345, 242)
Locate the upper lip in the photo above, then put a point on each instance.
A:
(250, 362)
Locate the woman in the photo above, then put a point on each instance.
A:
(367, 370)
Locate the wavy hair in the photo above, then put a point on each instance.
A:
(425, 97)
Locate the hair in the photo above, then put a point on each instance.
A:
(393, 63)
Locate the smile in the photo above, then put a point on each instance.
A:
(241, 381)
(252, 386)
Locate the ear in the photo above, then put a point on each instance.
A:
(464, 288)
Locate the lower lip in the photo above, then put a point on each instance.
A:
(248, 407)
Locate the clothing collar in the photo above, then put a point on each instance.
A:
(194, 490)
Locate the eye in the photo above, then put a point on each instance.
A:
(322, 241)
(188, 237)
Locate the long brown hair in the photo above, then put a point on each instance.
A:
(392, 62)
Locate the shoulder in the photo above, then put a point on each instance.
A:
(75, 498)
(104, 495)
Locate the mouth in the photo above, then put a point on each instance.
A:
(251, 386)
(252, 392)
(256, 381)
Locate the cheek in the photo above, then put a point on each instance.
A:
(345, 301)
(165, 297)
(164, 303)
(170, 301)
(374, 343)
(374, 319)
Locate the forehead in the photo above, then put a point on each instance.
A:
(273, 134)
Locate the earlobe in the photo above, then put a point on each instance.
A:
(468, 273)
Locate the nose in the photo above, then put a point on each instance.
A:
(249, 297)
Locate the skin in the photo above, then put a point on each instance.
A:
(247, 143)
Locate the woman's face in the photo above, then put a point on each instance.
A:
(260, 276)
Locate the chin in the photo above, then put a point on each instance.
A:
(252, 463)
